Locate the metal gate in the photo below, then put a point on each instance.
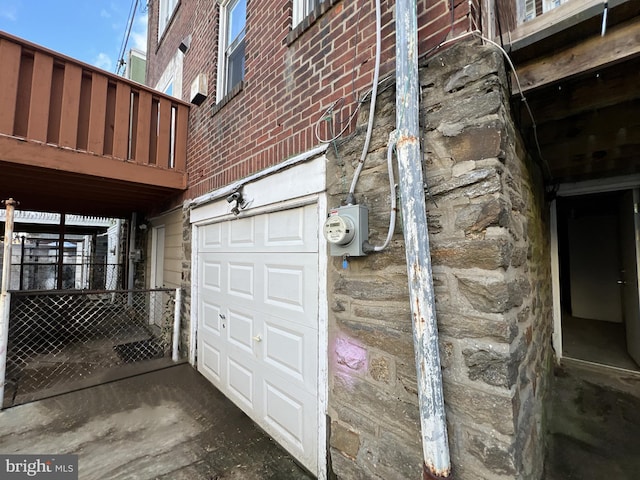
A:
(59, 340)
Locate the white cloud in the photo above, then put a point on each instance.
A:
(103, 61)
(105, 14)
(139, 33)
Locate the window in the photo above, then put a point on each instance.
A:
(302, 9)
(530, 9)
(233, 17)
(166, 11)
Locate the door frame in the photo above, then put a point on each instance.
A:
(627, 182)
(300, 185)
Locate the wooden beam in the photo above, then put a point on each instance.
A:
(620, 43)
(611, 87)
(560, 18)
(36, 154)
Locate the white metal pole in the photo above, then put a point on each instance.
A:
(176, 325)
(435, 443)
(132, 263)
(5, 297)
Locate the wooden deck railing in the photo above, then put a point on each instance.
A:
(48, 98)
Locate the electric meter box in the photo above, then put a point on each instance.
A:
(346, 230)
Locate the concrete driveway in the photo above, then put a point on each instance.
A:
(168, 424)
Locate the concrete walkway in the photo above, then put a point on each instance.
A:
(170, 424)
(595, 424)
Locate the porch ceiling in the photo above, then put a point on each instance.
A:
(588, 126)
(50, 190)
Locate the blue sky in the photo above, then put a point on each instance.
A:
(88, 30)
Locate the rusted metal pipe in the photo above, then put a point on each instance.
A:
(435, 444)
(5, 297)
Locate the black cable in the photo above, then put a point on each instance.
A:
(125, 39)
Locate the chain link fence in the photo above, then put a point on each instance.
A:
(57, 340)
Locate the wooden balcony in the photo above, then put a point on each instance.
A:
(77, 139)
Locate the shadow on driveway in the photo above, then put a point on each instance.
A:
(595, 424)
(168, 424)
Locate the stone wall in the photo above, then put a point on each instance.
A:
(489, 241)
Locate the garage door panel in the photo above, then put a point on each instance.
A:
(211, 275)
(284, 412)
(286, 350)
(242, 233)
(291, 417)
(240, 382)
(285, 286)
(290, 283)
(292, 230)
(241, 279)
(211, 318)
(240, 326)
(211, 236)
(210, 362)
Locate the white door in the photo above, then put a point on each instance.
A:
(631, 254)
(257, 340)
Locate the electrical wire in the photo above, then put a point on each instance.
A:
(476, 33)
(372, 108)
(393, 138)
(125, 39)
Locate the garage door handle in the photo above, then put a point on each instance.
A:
(257, 338)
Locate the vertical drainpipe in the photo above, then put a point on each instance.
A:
(5, 298)
(132, 263)
(60, 266)
(435, 444)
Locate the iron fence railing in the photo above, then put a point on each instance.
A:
(57, 339)
(75, 276)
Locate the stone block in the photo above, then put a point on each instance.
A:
(462, 325)
(399, 457)
(487, 254)
(393, 314)
(492, 294)
(382, 408)
(349, 355)
(375, 288)
(381, 369)
(494, 455)
(347, 468)
(489, 366)
(475, 144)
(473, 177)
(345, 440)
(381, 337)
(481, 407)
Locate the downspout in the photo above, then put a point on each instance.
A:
(132, 263)
(5, 297)
(435, 444)
(60, 263)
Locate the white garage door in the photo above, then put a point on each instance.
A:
(258, 321)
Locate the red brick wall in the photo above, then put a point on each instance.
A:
(290, 78)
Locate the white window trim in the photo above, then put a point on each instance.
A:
(168, 7)
(221, 84)
(299, 12)
(172, 74)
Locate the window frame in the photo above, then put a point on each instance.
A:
(302, 9)
(225, 51)
(166, 9)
